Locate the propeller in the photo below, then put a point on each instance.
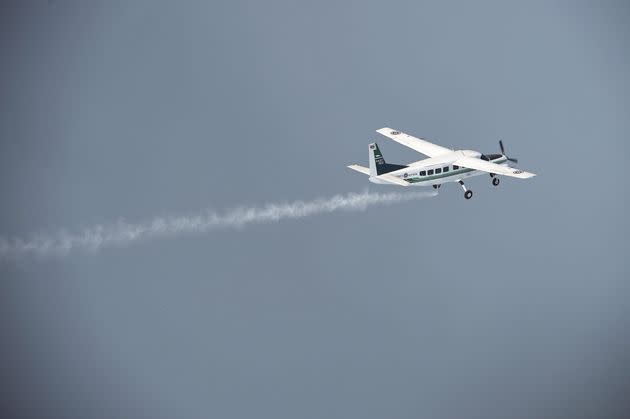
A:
(513, 160)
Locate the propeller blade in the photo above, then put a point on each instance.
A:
(501, 145)
(513, 160)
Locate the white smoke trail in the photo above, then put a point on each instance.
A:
(122, 233)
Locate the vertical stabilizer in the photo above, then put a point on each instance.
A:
(376, 160)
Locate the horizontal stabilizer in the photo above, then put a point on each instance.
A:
(360, 169)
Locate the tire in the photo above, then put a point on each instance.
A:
(468, 194)
(495, 181)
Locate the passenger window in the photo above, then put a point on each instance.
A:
(430, 172)
(438, 170)
(423, 173)
(445, 169)
(455, 167)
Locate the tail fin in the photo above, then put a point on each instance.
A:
(377, 162)
(376, 159)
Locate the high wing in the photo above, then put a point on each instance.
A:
(421, 146)
(486, 166)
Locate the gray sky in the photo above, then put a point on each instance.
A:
(513, 304)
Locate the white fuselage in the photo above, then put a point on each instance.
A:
(440, 169)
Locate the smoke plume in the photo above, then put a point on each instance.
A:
(123, 233)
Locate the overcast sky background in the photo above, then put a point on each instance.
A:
(513, 304)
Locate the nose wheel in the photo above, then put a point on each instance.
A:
(495, 181)
(467, 192)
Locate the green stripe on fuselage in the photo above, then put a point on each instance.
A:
(459, 171)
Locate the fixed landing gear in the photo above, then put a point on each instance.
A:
(436, 186)
(467, 192)
(495, 181)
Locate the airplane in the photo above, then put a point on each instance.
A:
(442, 165)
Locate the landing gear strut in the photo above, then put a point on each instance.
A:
(467, 192)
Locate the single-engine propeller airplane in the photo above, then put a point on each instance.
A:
(442, 165)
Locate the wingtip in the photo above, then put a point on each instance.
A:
(528, 175)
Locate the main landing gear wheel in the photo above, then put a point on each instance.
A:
(467, 192)
(495, 181)
(436, 186)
